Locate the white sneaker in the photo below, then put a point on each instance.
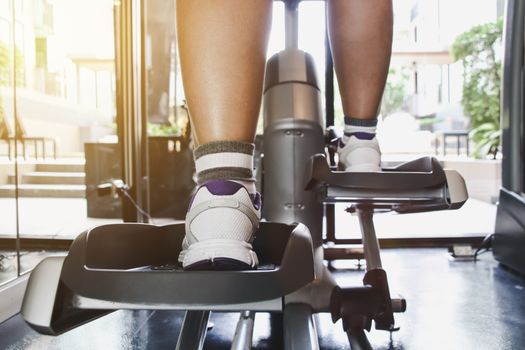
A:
(220, 226)
(361, 153)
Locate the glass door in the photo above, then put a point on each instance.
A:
(170, 159)
(9, 267)
(58, 126)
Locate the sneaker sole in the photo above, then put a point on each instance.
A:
(219, 264)
(219, 254)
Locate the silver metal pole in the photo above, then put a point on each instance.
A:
(193, 331)
(242, 339)
(299, 328)
(370, 242)
(358, 340)
(291, 25)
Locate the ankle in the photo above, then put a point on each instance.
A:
(362, 129)
(226, 161)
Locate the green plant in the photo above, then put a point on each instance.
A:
(426, 122)
(487, 138)
(5, 77)
(163, 129)
(5, 63)
(395, 92)
(476, 48)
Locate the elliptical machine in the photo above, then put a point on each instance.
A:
(134, 266)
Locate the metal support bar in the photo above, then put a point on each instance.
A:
(131, 109)
(358, 340)
(291, 24)
(370, 242)
(329, 82)
(242, 339)
(299, 328)
(329, 210)
(193, 331)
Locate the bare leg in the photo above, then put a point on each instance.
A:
(361, 40)
(223, 51)
(222, 46)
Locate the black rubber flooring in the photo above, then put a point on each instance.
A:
(451, 305)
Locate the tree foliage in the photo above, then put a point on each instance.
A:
(4, 80)
(476, 48)
(5, 66)
(5, 72)
(395, 92)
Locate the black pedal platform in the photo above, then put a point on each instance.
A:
(416, 186)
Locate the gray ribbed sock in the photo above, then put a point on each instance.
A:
(225, 160)
(363, 129)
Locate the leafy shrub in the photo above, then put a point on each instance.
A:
(395, 92)
(5, 62)
(476, 48)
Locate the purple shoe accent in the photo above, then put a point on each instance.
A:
(218, 188)
(257, 201)
(222, 187)
(225, 188)
(361, 135)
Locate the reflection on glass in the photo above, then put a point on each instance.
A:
(65, 118)
(8, 256)
(170, 158)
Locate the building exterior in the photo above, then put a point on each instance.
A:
(65, 68)
(425, 31)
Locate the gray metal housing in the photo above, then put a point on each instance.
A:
(293, 133)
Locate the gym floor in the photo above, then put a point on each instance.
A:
(451, 305)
